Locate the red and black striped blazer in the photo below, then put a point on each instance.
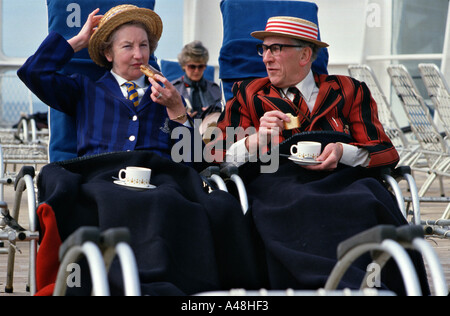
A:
(343, 105)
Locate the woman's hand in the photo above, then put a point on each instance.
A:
(164, 93)
(81, 40)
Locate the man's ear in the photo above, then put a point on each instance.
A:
(306, 56)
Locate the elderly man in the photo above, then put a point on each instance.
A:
(302, 213)
(332, 103)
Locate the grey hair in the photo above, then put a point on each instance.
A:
(315, 49)
(195, 52)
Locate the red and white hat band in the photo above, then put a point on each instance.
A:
(295, 28)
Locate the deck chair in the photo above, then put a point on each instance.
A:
(21, 143)
(384, 242)
(238, 61)
(391, 242)
(238, 58)
(406, 149)
(100, 249)
(11, 231)
(198, 260)
(17, 119)
(67, 18)
(438, 92)
(433, 148)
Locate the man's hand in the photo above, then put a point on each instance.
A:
(330, 158)
(271, 126)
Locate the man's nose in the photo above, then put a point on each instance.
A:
(267, 56)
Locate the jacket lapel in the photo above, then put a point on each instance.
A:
(327, 100)
(109, 82)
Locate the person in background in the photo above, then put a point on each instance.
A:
(202, 95)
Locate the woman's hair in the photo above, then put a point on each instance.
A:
(107, 45)
(194, 52)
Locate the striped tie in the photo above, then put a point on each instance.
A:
(133, 95)
(300, 102)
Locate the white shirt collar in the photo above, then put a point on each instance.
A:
(307, 86)
(139, 82)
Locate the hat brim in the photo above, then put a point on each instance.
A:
(261, 35)
(147, 17)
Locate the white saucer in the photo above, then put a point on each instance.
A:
(139, 187)
(304, 161)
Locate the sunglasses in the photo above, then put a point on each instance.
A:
(194, 67)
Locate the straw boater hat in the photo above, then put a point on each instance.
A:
(291, 27)
(116, 17)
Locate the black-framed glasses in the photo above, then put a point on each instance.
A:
(194, 67)
(275, 49)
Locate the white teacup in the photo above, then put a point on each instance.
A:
(306, 150)
(136, 176)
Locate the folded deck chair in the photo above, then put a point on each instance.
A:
(67, 18)
(238, 58)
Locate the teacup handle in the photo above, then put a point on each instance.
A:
(296, 150)
(121, 172)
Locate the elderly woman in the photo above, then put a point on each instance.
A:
(124, 110)
(202, 94)
(184, 238)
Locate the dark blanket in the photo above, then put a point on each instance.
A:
(185, 240)
(302, 216)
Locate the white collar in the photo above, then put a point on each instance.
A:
(307, 86)
(139, 82)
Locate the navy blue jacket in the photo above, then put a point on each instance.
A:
(106, 121)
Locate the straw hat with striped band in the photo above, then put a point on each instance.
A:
(291, 27)
(116, 17)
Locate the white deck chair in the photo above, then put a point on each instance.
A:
(406, 149)
(438, 92)
(433, 147)
(16, 104)
(12, 232)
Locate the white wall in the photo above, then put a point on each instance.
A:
(203, 22)
(335, 21)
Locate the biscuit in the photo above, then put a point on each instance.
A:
(147, 71)
(294, 123)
